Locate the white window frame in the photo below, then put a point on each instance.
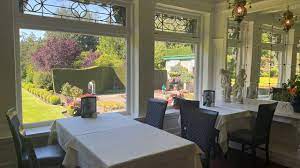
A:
(24, 21)
(233, 43)
(190, 38)
(276, 48)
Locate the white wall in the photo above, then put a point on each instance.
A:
(7, 66)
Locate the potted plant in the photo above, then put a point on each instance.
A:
(293, 88)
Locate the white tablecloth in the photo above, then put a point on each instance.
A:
(229, 120)
(115, 141)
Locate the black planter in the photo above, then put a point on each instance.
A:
(296, 104)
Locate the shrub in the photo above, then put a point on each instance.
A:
(43, 80)
(66, 89)
(76, 92)
(55, 100)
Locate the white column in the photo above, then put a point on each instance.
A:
(143, 54)
(253, 55)
(219, 41)
(290, 56)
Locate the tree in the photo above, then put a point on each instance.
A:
(87, 59)
(28, 45)
(113, 51)
(159, 53)
(182, 72)
(56, 53)
(85, 42)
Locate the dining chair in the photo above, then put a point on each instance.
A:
(201, 130)
(27, 156)
(186, 107)
(156, 110)
(259, 134)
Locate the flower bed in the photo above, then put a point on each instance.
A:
(45, 95)
(111, 105)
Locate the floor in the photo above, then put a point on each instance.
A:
(237, 159)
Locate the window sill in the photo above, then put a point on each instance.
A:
(38, 131)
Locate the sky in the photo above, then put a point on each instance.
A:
(37, 33)
(53, 6)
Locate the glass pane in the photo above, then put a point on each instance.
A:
(298, 64)
(231, 62)
(89, 11)
(174, 70)
(269, 71)
(177, 24)
(269, 37)
(57, 68)
(233, 31)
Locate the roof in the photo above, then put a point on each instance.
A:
(178, 57)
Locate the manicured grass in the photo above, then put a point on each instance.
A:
(264, 82)
(35, 110)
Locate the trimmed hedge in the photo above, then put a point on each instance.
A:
(45, 95)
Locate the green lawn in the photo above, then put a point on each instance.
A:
(35, 110)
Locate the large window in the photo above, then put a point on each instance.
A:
(233, 48)
(57, 68)
(175, 68)
(271, 60)
(174, 74)
(60, 64)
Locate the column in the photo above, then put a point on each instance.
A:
(143, 48)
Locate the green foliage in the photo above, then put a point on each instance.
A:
(183, 73)
(159, 53)
(113, 52)
(66, 89)
(55, 100)
(29, 44)
(269, 57)
(75, 91)
(231, 62)
(71, 91)
(45, 95)
(43, 80)
(169, 48)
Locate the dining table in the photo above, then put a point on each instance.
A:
(113, 140)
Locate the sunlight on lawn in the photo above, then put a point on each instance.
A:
(264, 82)
(35, 110)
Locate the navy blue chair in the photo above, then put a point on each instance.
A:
(156, 113)
(260, 132)
(186, 107)
(29, 157)
(201, 130)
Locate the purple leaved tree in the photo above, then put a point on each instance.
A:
(90, 58)
(56, 53)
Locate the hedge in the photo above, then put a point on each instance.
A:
(45, 95)
(107, 79)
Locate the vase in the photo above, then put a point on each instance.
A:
(296, 104)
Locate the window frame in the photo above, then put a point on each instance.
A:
(190, 38)
(273, 48)
(234, 43)
(24, 21)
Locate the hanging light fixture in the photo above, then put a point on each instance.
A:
(239, 10)
(288, 20)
